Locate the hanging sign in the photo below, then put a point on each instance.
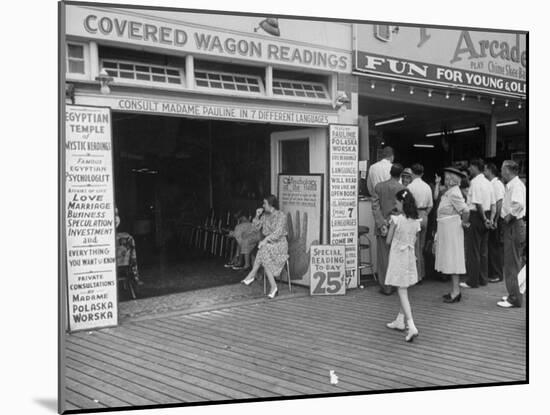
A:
(89, 218)
(212, 110)
(125, 27)
(344, 193)
(301, 198)
(493, 62)
(328, 270)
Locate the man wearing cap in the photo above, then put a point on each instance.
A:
(513, 231)
(480, 199)
(380, 171)
(423, 197)
(383, 205)
(406, 177)
(496, 247)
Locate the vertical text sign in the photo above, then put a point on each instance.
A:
(343, 188)
(89, 215)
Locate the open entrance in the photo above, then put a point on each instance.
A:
(408, 127)
(179, 183)
(438, 136)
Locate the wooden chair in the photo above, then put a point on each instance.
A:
(125, 278)
(287, 273)
(364, 243)
(127, 271)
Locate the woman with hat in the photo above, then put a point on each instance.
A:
(452, 214)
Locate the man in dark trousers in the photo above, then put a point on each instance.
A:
(513, 231)
(383, 205)
(480, 199)
(496, 247)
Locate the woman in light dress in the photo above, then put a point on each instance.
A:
(402, 272)
(273, 248)
(452, 215)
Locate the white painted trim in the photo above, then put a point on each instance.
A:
(190, 72)
(86, 54)
(318, 159)
(269, 81)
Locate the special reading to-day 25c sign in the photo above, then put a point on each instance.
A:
(328, 270)
(343, 194)
(467, 59)
(89, 213)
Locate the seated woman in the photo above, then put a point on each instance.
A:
(126, 258)
(273, 249)
(247, 236)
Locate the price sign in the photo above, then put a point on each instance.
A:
(328, 270)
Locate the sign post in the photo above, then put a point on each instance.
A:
(328, 270)
(89, 215)
(344, 193)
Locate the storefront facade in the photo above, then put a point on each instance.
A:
(229, 108)
(218, 78)
(439, 97)
(463, 89)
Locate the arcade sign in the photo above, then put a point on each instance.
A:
(490, 62)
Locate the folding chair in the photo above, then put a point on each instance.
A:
(287, 273)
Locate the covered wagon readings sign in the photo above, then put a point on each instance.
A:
(89, 215)
(343, 188)
(328, 270)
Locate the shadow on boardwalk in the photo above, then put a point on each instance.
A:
(286, 347)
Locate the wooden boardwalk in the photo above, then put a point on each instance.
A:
(286, 347)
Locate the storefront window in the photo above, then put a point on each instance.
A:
(299, 89)
(75, 58)
(228, 81)
(143, 72)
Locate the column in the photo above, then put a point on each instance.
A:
(269, 81)
(491, 136)
(189, 72)
(94, 60)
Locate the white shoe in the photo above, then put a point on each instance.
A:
(273, 293)
(398, 323)
(248, 281)
(505, 304)
(464, 285)
(412, 333)
(504, 298)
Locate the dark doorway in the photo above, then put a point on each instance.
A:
(295, 156)
(176, 175)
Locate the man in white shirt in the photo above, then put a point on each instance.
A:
(496, 247)
(480, 199)
(380, 172)
(512, 213)
(423, 196)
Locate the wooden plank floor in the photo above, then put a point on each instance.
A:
(287, 346)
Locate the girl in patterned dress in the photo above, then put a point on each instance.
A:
(273, 248)
(402, 272)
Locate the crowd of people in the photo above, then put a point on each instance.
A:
(473, 224)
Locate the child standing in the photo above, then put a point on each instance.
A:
(402, 271)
